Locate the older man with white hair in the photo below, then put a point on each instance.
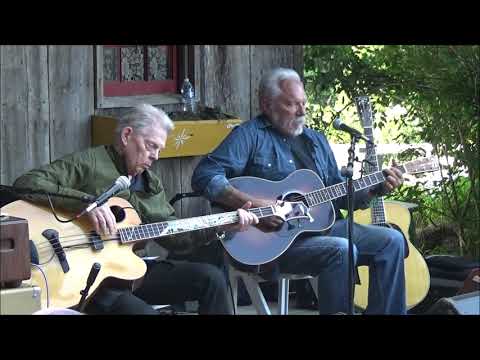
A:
(140, 136)
(273, 145)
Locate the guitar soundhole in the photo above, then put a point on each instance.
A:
(118, 212)
(295, 197)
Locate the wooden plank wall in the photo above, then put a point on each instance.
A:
(47, 98)
(24, 112)
(46, 103)
(71, 90)
(226, 76)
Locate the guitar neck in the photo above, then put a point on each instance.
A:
(155, 230)
(336, 191)
(339, 190)
(376, 205)
(364, 109)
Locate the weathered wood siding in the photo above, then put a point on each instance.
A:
(226, 76)
(24, 111)
(71, 90)
(47, 98)
(262, 58)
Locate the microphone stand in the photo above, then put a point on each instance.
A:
(347, 172)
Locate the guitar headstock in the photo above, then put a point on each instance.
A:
(422, 165)
(364, 109)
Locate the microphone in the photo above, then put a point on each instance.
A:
(120, 184)
(339, 125)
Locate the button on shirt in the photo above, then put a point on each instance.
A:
(255, 148)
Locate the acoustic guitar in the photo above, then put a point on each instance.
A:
(311, 204)
(388, 214)
(65, 252)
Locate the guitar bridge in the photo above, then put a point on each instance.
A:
(96, 242)
(52, 237)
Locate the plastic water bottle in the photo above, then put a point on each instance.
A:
(188, 96)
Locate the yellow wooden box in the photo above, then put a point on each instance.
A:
(189, 138)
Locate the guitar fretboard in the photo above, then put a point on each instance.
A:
(166, 228)
(376, 205)
(336, 191)
(317, 197)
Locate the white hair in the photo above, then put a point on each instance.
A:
(270, 82)
(144, 116)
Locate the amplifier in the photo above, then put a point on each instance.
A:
(465, 304)
(23, 300)
(14, 251)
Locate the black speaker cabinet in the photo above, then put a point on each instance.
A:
(14, 251)
(465, 304)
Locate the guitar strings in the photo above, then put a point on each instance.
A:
(76, 237)
(47, 250)
(86, 238)
(72, 242)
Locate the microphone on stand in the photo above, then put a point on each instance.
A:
(122, 183)
(339, 125)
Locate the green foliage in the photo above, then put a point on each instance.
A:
(435, 210)
(438, 86)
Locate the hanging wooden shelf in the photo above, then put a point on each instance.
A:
(189, 138)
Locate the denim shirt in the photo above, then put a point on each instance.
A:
(255, 148)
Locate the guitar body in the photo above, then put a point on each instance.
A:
(417, 277)
(257, 246)
(118, 262)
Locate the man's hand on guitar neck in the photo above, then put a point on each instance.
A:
(394, 179)
(233, 198)
(245, 219)
(271, 222)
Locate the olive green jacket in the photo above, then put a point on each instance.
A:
(90, 173)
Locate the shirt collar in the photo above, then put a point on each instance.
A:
(117, 159)
(263, 121)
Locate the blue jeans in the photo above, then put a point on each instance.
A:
(382, 249)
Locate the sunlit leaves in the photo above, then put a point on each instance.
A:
(439, 89)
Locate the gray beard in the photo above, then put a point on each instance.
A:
(300, 121)
(298, 130)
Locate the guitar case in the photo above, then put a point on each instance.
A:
(449, 275)
(472, 282)
(450, 267)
